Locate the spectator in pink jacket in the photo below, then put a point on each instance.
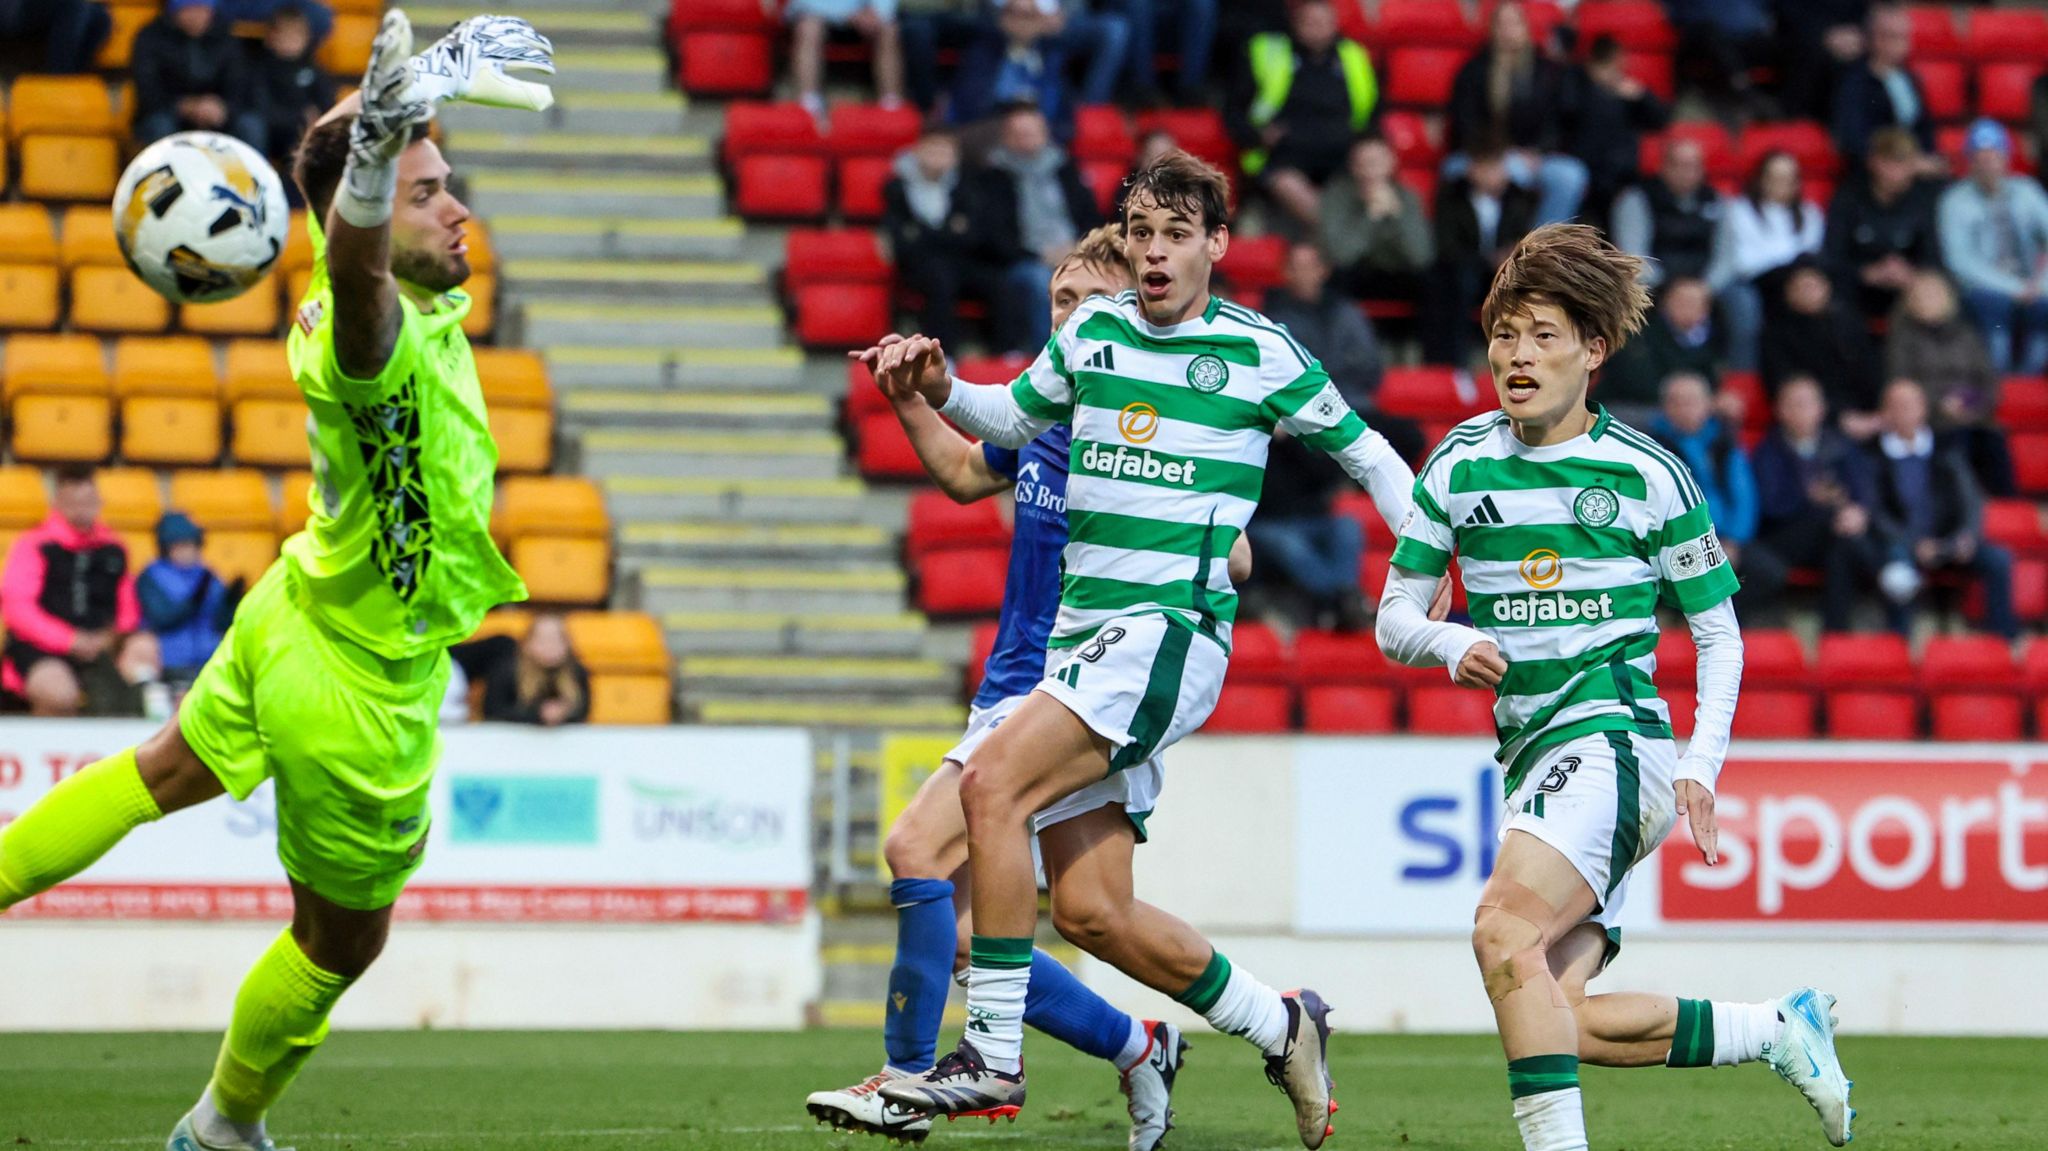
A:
(67, 597)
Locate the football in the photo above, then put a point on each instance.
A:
(201, 217)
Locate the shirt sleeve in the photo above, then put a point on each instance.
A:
(1426, 541)
(1000, 460)
(1719, 640)
(1312, 410)
(1693, 573)
(398, 368)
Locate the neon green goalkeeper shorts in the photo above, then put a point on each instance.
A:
(350, 737)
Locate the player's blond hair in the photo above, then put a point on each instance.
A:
(1103, 250)
(1573, 268)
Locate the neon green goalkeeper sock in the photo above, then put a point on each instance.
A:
(280, 1020)
(66, 830)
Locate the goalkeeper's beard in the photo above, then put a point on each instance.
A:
(434, 271)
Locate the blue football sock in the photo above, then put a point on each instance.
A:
(1060, 1005)
(926, 937)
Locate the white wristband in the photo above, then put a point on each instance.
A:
(364, 196)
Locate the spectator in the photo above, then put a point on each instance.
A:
(1021, 55)
(137, 688)
(1027, 207)
(1810, 333)
(1672, 220)
(1821, 39)
(1679, 338)
(1814, 493)
(1335, 332)
(1374, 228)
(922, 213)
(1302, 545)
(1687, 425)
(1301, 99)
(1480, 216)
(1766, 228)
(925, 27)
(531, 680)
(875, 20)
(1612, 111)
(1719, 42)
(1881, 226)
(1511, 96)
(66, 598)
(71, 31)
(1153, 144)
(190, 73)
(1930, 514)
(1881, 92)
(1994, 235)
(291, 88)
(1929, 341)
(1192, 26)
(183, 601)
(319, 17)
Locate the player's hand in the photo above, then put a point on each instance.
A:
(1696, 803)
(916, 365)
(473, 62)
(390, 105)
(1440, 603)
(1481, 667)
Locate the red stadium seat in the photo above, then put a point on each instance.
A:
(1857, 660)
(1717, 148)
(781, 187)
(1806, 140)
(2029, 590)
(1257, 655)
(725, 63)
(2005, 91)
(1251, 708)
(2017, 525)
(1103, 133)
(832, 255)
(1421, 181)
(1774, 659)
(1408, 134)
(2016, 34)
(2023, 404)
(2030, 461)
(1421, 77)
(863, 398)
(1976, 716)
(1337, 657)
(1638, 25)
(1449, 710)
(1678, 661)
(739, 15)
(991, 369)
(1946, 84)
(1425, 23)
(754, 129)
(968, 581)
(1653, 70)
(842, 315)
(1347, 708)
(1429, 392)
(1934, 33)
(1544, 16)
(883, 451)
(872, 130)
(981, 643)
(1858, 714)
(938, 524)
(1105, 178)
(861, 180)
(1950, 141)
(1255, 263)
(1684, 702)
(1199, 131)
(1774, 713)
(1976, 662)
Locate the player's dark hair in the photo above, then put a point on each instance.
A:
(323, 153)
(67, 474)
(1573, 268)
(1181, 183)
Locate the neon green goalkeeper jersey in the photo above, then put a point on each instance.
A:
(397, 554)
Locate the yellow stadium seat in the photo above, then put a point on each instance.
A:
(66, 363)
(372, 7)
(69, 167)
(115, 53)
(257, 369)
(483, 255)
(556, 505)
(182, 430)
(63, 428)
(165, 366)
(294, 503)
(618, 641)
(89, 238)
(113, 300)
(130, 498)
(237, 554)
(28, 297)
(573, 570)
(124, 108)
(27, 234)
(483, 306)
(23, 499)
(514, 377)
(141, 547)
(512, 621)
(253, 313)
(230, 499)
(270, 434)
(72, 105)
(618, 698)
(298, 245)
(347, 50)
(525, 438)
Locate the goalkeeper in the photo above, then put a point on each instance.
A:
(329, 680)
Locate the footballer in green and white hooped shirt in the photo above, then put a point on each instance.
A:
(1174, 397)
(1570, 528)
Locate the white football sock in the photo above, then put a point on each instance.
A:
(214, 1128)
(1249, 1008)
(995, 1015)
(1742, 1031)
(1136, 1046)
(1552, 1121)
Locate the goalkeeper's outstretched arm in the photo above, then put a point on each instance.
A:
(366, 309)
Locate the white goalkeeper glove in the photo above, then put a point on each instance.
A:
(473, 62)
(391, 106)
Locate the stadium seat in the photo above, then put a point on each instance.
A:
(618, 641)
(755, 129)
(981, 643)
(227, 499)
(483, 251)
(1774, 658)
(253, 313)
(506, 621)
(963, 581)
(61, 363)
(2019, 35)
(1858, 714)
(1422, 181)
(257, 368)
(346, 51)
(734, 15)
(113, 300)
(1865, 660)
(1105, 178)
(882, 451)
(1806, 140)
(569, 570)
(1445, 709)
(872, 130)
(1637, 25)
(2023, 404)
(863, 398)
(2005, 90)
(298, 245)
(514, 378)
(270, 433)
(936, 523)
(2030, 461)
(294, 501)
(1103, 133)
(1421, 78)
(1934, 33)
(1653, 70)
(69, 167)
(115, 54)
(483, 305)
(1198, 131)
(88, 238)
(990, 369)
(832, 255)
(170, 430)
(1949, 141)
(842, 315)
(1257, 655)
(1946, 85)
(726, 63)
(1430, 392)
(1977, 716)
(23, 499)
(1347, 708)
(1409, 135)
(861, 180)
(29, 297)
(1544, 16)
(1772, 713)
(2029, 591)
(1678, 660)
(550, 505)
(1251, 708)
(1333, 657)
(239, 553)
(525, 438)
(71, 105)
(1717, 148)
(164, 366)
(1425, 23)
(1254, 263)
(27, 234)
(1973, 686)
(131, 498)
(622, 698)
(779, 187)
(2017, 525)
(62, 428)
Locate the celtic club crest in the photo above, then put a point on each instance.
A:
(1207, 374)
(1596, 507)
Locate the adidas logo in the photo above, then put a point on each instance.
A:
(1485, 513)
(1104, 359)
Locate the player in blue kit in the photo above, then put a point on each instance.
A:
(927, 847)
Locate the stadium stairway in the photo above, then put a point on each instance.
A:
(740, 522)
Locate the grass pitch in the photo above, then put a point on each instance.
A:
(527, 1091)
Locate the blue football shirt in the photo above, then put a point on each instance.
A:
(1031, 591)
